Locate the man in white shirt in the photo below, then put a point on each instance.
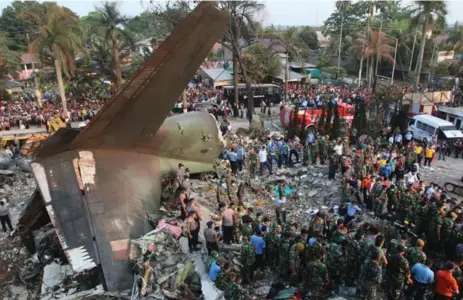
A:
(338, 148)
(263, 161)
(410, 178)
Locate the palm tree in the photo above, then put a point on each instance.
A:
(430, 15)
(60, 38)
(374, 44)
(291, 42)
(110, 22)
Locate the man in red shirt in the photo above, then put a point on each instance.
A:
(446, 285)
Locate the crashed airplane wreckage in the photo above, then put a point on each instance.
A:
(97, 184)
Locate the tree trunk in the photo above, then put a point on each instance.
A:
(236, 79)
(117, 62)
(370, 73)
(62, 95)
(286, 77)
(185, 102)
(340, 43)
(421, 55)
(360, 71)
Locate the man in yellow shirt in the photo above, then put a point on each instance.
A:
(429, 155)
(419, 153)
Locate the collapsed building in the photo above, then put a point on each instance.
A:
(98, 184)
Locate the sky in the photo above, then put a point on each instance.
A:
(277, 12)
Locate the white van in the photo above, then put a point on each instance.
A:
(429, 128)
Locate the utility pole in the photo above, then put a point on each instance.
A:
(36, 82)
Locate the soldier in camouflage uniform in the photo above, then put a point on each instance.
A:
(335, 263)
(272, 241)
(405, 205)
(353, 262)
(416, 254)
(247, 260)
(314, 152)
(322, 150)
(315, 279)
(381, 203)
(448, 227)
(284, 256)
(295, 257)
(392, 197)
(398, 271)
(252, 159)
(346, 150)
(312, 250)
(333, 165)
(393, 246)
(434, 231)
(370, 276)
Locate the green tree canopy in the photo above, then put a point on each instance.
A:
(261, 62)
(309, 37)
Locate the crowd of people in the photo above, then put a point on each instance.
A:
(380, 178)
(25, 114)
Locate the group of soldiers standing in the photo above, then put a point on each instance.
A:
(336, 249)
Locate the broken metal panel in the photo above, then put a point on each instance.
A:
(34, 216)
(126, 186)
(67, 208)
(138, 110)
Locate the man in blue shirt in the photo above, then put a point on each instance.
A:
(352, 208)
(423, 277)
(259, 244)
(240, 156)
(214, 271)
(232, 157)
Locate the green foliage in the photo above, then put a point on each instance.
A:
(260, 62)
(59, 37)
(324, 60)
(441, 69)
(15, 26)
(309, 37)
(10, 61)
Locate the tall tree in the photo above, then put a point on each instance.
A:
(260, 62)
(293, 45)
(110, 22)
(16, 27)
(239, 35)
(430, 15)
(59, 38)
(10, 61)
(375, 44)
(309, 37)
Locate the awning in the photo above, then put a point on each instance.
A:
(453, 134)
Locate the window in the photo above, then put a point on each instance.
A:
(431, 130)
(258, 91)
(420, 125)
(412, 121)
